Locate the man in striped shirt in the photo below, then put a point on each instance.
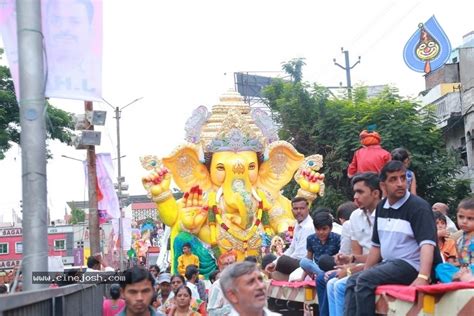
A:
(403, 243)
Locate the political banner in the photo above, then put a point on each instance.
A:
(72, 32)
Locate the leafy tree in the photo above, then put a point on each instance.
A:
(77, 216)
(315, 123)
(294, 68)
(59, 123)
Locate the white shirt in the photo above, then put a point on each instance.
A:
(398, 203)
(266, 312)
(302, 230)
(346, 248)
(194, 289)
(450, 225)
(217, 304)
(336, 228)
(106, 269)
(361, 228)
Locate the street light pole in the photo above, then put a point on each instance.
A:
(119, 163)
(120, 180)
(77, 159)
(32, 141)
(119, 186)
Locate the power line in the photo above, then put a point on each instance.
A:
(370, 25)
(391, 27)
(387, 30)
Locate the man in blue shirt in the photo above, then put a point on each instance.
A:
(137, 291)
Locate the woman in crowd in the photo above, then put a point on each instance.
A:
(182, 305)
(115, 304)
(177, 281)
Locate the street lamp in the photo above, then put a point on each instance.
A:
(118, 111)
(123, 156)
(120, 179)
(72, 158)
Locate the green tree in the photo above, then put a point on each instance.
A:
(315, 123)
(77, 216)
(59, 123)
(294, 68)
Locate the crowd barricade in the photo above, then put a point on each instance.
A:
(303, 292)
(74, 299)
(455, 298)
(442, 299)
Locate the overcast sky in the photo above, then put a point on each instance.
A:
(178, 55)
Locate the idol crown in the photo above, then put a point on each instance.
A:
(232, 126)
(235, 135)
(235, 141)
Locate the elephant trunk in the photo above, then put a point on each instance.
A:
(238, 197)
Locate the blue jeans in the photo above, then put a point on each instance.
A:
(309, 266)
(321, 289)
(335, 293)
(360, 287)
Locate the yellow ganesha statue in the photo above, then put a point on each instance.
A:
(232, 170)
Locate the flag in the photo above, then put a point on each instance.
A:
(126, 231)
(109, 202)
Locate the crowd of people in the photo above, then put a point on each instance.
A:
(396, 237)
(386, 235)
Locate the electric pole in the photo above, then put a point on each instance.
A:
(120, 179)
(94, 229)
(347, 68)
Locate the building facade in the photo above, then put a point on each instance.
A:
(451, 90)
(60, 243)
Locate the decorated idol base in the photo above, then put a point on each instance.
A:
(231, 170)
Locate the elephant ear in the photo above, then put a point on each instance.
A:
(186, 168)
(277, 171)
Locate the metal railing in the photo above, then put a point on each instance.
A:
(70, 300)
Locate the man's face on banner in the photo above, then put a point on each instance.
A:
(69, 26)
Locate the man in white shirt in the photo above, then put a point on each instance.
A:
(304, 227)
(192, 274)
(243, 286)
(97, 263)
(344, 212)
(367, 195)
(217, 304)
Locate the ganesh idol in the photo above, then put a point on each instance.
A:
(231, 170)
